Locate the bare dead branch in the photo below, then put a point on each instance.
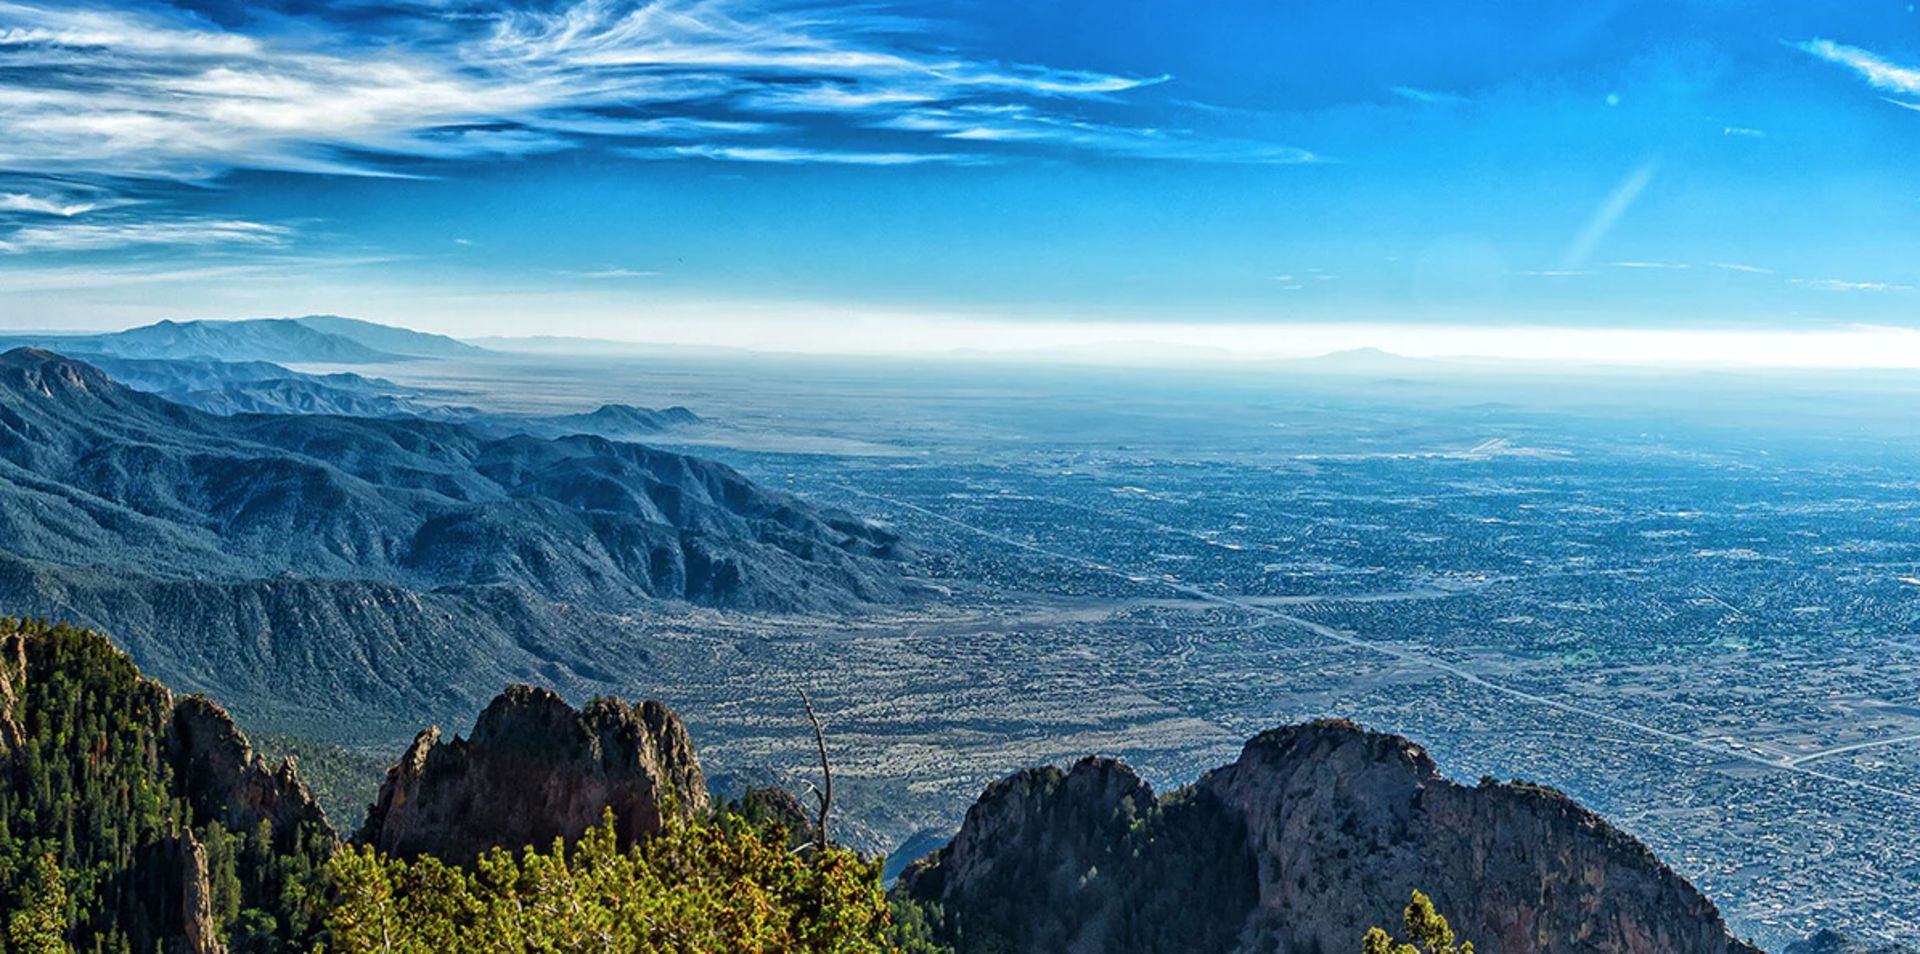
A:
(825, 792)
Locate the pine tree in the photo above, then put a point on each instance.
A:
(40, 925)
(1426, 929)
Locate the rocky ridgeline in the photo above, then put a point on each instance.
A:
(1315, 834)
(533, 770)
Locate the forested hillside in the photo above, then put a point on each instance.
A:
(112, 829)
(135, 821)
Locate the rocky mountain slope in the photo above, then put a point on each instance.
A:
(284, 561)
(177, 836)
(535, 769)
(1316, 833)
(89, 467)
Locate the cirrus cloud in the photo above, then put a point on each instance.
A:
(111, 96)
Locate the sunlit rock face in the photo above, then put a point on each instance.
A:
(1315, 834)
(536, 769)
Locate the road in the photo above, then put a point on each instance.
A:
(1752, 754)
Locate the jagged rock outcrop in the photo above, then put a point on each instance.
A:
(1055, 825)
(179, 870)
(1316, 833)
(226, 779)
(536, 769)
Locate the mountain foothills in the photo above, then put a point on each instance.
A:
(276, 559)
(135, 820)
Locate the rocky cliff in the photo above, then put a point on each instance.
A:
(535, 769)
(1316, 833)
(225, 779)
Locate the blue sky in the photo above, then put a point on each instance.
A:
(901, 176)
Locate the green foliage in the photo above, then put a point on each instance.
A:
(1426, 929)
(40, 925)
(720, 886)
(344, 781)
(99, 832)
(87, 792)
(916, 926)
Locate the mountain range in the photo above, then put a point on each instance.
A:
(278, 559)
(315, 339)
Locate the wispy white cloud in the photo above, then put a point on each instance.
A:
(606, 273)
(1738, 267)
(134, 95)
(1016, 123)
(1609, 213)
(1667, 266)
(836, 97)
(1429, 97)
(1835, 284)
(116, 94)
(788, 155)
(1879, 72)
(83, 236)
(658, 127)
(64, 206)
(1744, 132)
(35, 279)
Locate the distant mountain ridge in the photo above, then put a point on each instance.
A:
(227, 388)
(389, 339)
(316, 339)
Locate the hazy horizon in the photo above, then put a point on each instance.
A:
(1654, 183)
